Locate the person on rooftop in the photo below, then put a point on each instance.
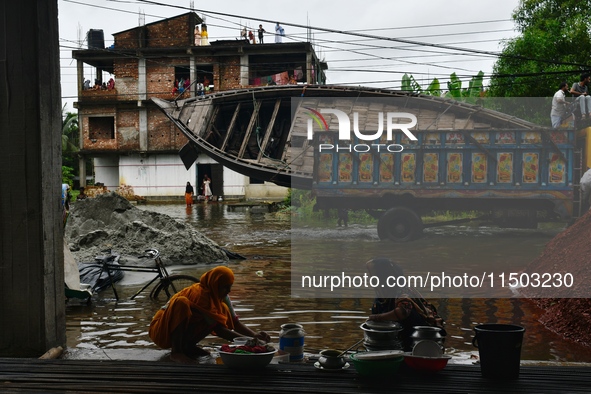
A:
(558, 113)
(261, 34)
(279, 33)
(580, 91)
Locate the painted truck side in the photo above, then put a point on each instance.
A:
(523, 176)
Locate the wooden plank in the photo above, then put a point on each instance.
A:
(291, 129)
(132, 376)
(269, 130)
(211, 122)
(231, 127)
(198, 116)
(253, 119)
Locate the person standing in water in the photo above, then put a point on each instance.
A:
(189, 192)
(207, 187)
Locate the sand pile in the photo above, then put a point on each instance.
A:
(110, 221)
(568, 252)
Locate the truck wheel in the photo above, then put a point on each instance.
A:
(400, 224)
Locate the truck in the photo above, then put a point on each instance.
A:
(398, 155)
(515, 177)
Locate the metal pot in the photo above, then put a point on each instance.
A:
(382, 338)
(331, 359)
(427, 333)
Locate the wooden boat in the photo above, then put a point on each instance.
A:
(262, 132)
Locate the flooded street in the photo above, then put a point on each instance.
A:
(262, 294)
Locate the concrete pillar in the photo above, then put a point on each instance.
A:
(309, 60)
(143, 125)
(80, 74)
(32, 307)
(142, 82)
(244, 67)
(192, 76)
(82, 170)
(142, 89)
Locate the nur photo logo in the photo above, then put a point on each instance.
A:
(344, 132)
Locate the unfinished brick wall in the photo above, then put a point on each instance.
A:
(99, 138)
(227, 73)
(128, 130)
(173, 32)
(126, 79)
(160, 76)
(163, 135)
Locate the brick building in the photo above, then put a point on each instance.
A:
(131, 142)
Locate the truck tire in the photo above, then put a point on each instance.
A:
(400, 224)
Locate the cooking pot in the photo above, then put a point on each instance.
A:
(381, 338)
(331, 359)
(421, 333)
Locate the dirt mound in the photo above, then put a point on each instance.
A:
(568, 252)
(110, 221)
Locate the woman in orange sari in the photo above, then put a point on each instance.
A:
(189, 192)
(194, 312)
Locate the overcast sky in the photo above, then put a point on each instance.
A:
(359, 60)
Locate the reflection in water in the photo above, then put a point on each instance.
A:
(265, 302)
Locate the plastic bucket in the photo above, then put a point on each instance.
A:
(499, 347)
(291, 340)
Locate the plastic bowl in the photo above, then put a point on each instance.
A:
(246, 361)
(426, 364)
(241, 340)
(383, 367)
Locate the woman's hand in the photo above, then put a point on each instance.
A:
(263, 336)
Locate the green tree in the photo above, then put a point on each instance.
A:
(454, 87)
(553, 45)
(70, 139)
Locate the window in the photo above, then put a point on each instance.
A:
(101, 127)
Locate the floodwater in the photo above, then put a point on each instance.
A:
(262, 295)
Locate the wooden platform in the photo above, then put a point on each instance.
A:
(92, 376)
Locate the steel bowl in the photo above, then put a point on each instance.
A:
(331, 359)
(381, 337)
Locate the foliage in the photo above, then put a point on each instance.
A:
(409, 84)
(70, 134)
(68, 175)
(553, 46)
(69, 146)
(471, 94)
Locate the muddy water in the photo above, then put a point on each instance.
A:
(262, 298)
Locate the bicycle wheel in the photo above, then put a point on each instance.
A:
(170, 286)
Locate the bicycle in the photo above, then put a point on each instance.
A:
(168, 284)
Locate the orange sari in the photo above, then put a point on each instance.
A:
(189, 198)
(199, 304)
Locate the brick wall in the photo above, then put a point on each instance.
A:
(160, 76)
(126, 78)
(174, 32)
(128, 130)
(162, 133)
(227, 73)
(98, 139)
